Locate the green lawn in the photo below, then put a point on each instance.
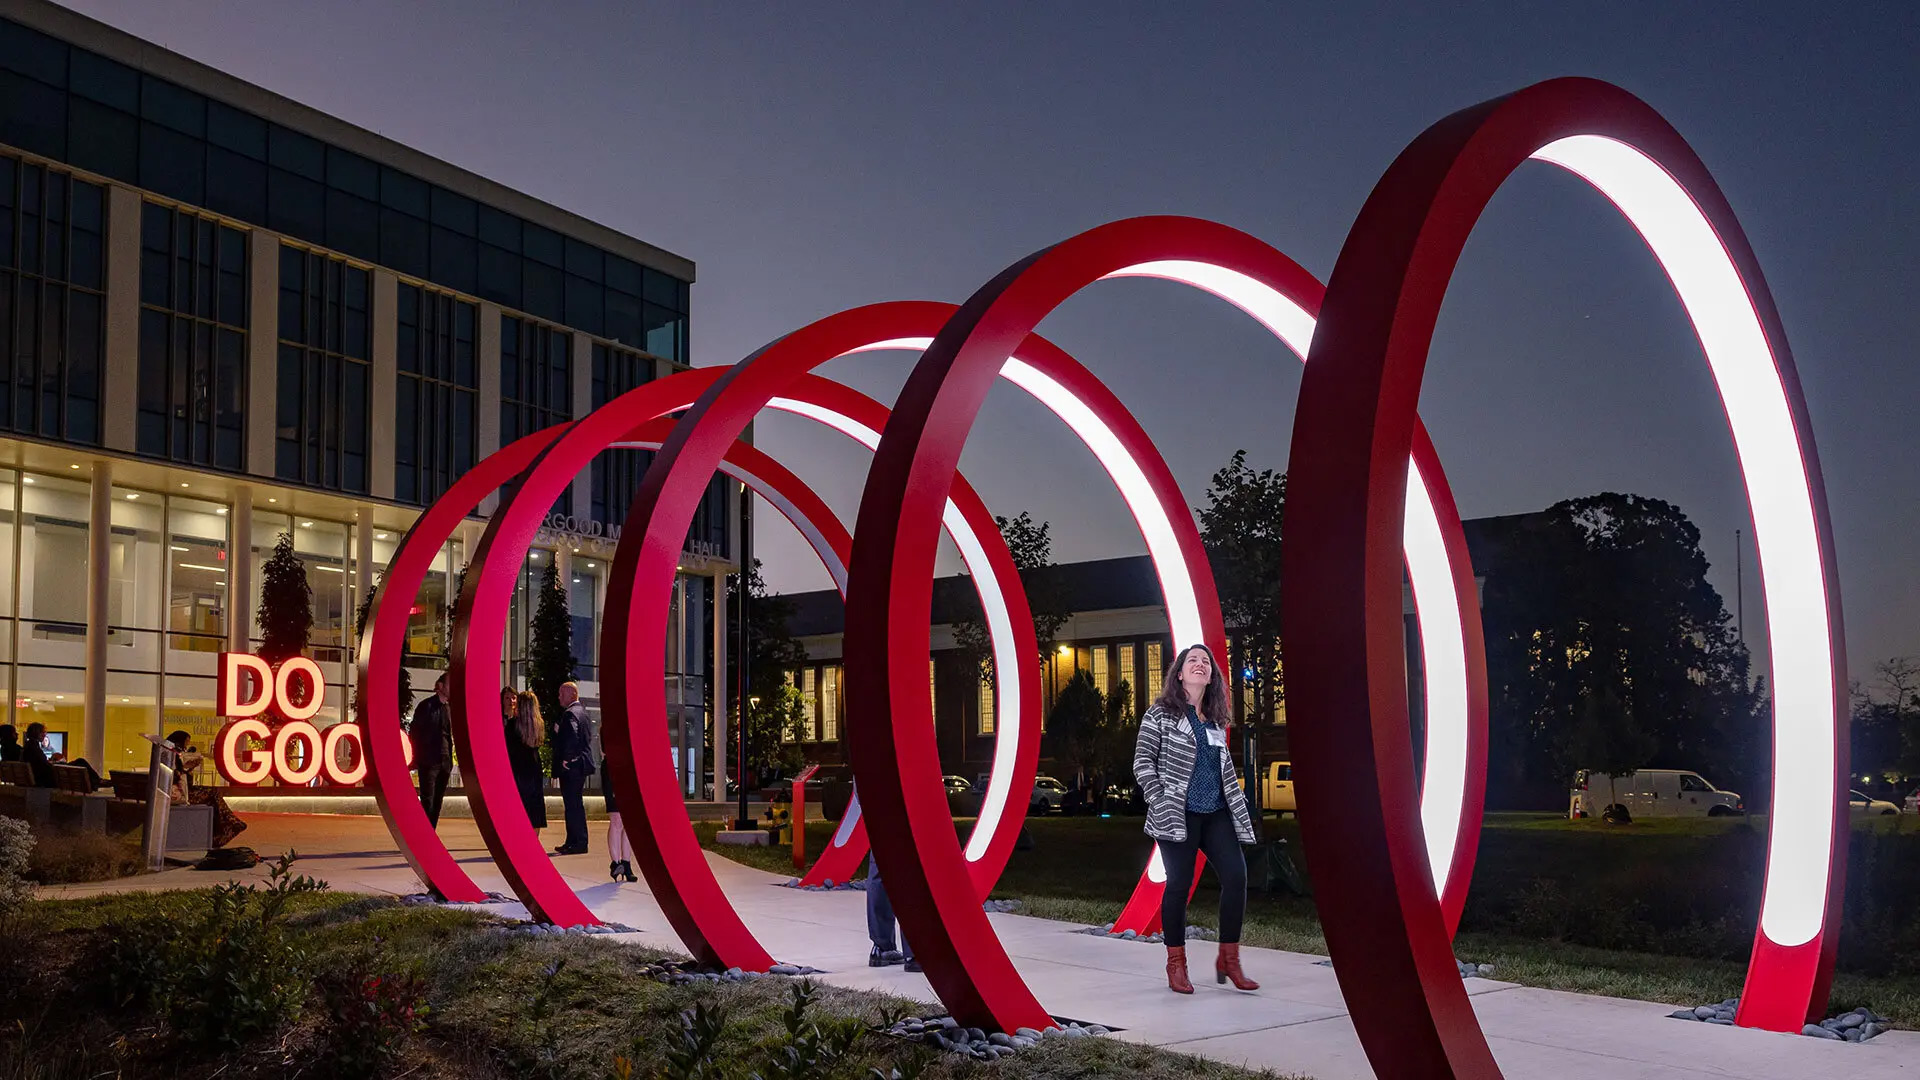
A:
(1659, 910)
(571, 1008)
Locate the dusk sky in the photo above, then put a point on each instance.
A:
(812, 157)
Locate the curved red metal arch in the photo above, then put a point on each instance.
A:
(706, 922)
(888, 611)
(1355, 422)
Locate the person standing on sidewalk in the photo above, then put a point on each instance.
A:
(572, 764)
(880, 924)
(1195, 805)
(431, 733)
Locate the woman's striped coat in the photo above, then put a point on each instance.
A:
(1163, 764)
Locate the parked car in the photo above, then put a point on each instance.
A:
(1913, 802)
(1861, 804)
(1649, 793)
(957, 785)
(1048, 794)
(1276, 795)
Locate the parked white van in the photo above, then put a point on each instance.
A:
(1649, 793)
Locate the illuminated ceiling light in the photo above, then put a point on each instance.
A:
(73, 466)
(183, 483)
(271, 499)
(27, 480)
(201, 566)
(132, 495)
(589, 566)
(379, 536)
(1066, 650)
(222, 511)
(59, 697)
(306, 524)
(126, 700)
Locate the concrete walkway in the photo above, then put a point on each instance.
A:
(1296, 1023)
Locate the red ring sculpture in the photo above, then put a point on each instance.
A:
(662, 835)
(888, 613)
(1354, 424)
(380, 667)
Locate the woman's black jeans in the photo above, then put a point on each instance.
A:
(1213, 836)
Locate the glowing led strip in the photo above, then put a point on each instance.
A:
(999, 627)
(1800, 834)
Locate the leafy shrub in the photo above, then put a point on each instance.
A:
(75, 856)
(16, 854)
(223, 976)
(373, 1016)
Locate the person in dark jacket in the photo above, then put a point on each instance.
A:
(35, 755)
(525, 732)
(572, 764)
(9, 743)
(431, 734)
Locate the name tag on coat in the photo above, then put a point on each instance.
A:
(1216, 737)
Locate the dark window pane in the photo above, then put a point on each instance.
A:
(499, 279)
(236, 185)
(584, 260)
(623, 319)
(353, 225)
(176, 107)
(104, 81)
(33, 116)
(623, 274)
(584, 303)
(230, 378)
(172, 164)
(454, 259)
(31, 52)
(86, 209)
(661, 327)
(402, 192)
(103, 140)
(403, 243)
(454, 211)
(500, 229)
(296, 206)
(542, 291)
(240, 132)
(660, 289)
(542, 244)
(297, 153)
(353, 173)
(86, 261)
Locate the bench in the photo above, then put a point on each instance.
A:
(73, 804)
(19, 798)
(189, 827)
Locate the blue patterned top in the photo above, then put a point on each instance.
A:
(1206, 791)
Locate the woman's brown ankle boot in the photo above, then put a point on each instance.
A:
(1226, 967)
(1177, 980)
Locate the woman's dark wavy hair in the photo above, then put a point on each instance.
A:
(1213, 703)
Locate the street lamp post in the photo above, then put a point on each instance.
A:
(745, 699)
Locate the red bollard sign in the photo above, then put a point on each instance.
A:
(270, 732)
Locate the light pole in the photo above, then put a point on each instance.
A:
(745, 699)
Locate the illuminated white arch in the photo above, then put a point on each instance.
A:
(1785, 524)
(1444, 655)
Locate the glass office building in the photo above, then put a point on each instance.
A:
(225, 317)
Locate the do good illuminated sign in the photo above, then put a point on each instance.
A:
(270, 732)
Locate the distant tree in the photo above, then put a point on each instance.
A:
(1031, 545)
(1241, 527)
(1075, 730)
(772, 654)
(1113, 758)
(1886, 720)
(286, 604)
(1606, 740)
(1607, 595)
(406, 677)
(550, 644)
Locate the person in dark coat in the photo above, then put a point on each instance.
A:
(9, 743)
(525, 732)
(35, 755)
(572, 764)
(431, 734)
